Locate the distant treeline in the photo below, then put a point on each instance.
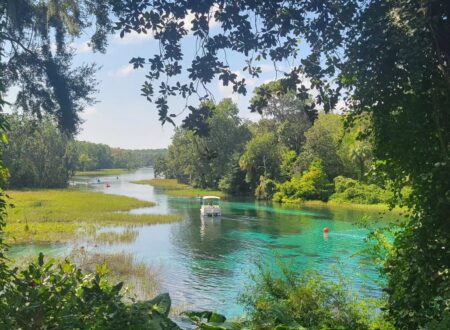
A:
(39, 155)
(92, 156)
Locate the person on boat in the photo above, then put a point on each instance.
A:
(98, 180)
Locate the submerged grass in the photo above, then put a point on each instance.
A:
(102, 172)
(141, 280)
(173, 188)
(112, 237)
(56, 215)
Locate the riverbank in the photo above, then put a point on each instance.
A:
(172, 187)
(103, 172)
(349, 205)
(61, 215)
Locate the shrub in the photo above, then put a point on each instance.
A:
(266, 189)
(350, 190)
(46, 295)
(279, 299)
(312, 185)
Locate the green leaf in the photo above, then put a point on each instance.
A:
(217, 318)
(116, 289)
(41, 259)
(161, 304)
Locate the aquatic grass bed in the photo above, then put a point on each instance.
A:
(112, 237)
(56, 215)
(141, 280)
(172, 187)
(164, 183)
(102, 172)
(40, 232)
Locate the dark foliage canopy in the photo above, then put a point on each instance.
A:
(35, 41)
(390, 59)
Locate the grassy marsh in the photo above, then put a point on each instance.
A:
(173, 188)
(57, 215)
(102, 172)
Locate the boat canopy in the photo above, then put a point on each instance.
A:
(210, 197)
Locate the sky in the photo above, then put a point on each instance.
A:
(122, 117)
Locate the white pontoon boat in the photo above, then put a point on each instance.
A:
(210, 206)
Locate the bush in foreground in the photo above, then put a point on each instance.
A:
(46, 295)
(288, 301)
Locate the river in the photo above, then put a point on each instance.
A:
(205, 263)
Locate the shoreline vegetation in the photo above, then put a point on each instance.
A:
(172, 187)
(61, 215)
(345, 205)
(102, 172)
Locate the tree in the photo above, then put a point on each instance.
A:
(323, 142)
(228, 135)
(86, 162)
(409, 103)
(233, 181)
(38, 154)
(265, 189)
(289, 113)
(261, 158)
(43, 74)
(92, 156)
(160, 166)
(240, 22)
(356, 149)
(204, 160)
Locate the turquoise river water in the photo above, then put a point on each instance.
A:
(205, 263)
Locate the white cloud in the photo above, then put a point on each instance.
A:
(341, 106)
(82, 47)
(125, 70)
(191, 16)
(53, 47)
(133, 37)
(88, 112)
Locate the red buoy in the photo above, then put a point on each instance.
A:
(326, 230)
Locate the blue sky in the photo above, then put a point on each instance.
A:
(123, 118)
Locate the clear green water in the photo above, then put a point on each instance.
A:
(205, 263)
